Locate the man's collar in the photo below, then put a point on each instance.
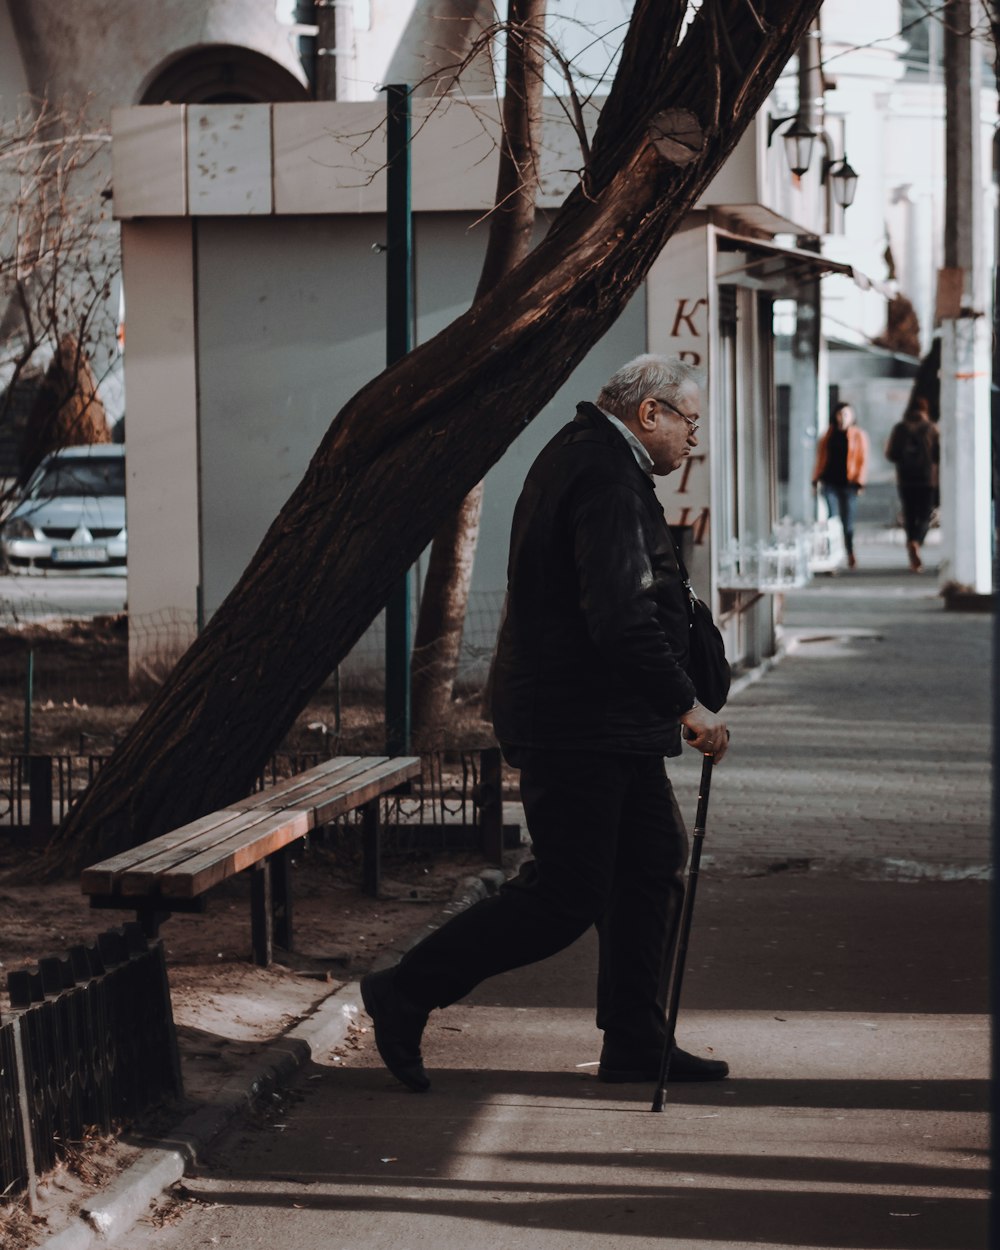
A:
(642, 457)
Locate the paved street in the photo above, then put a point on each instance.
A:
(836, 963)
(35, 599)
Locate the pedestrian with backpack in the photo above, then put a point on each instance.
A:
(915, 449)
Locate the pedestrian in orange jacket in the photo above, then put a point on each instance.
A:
(842, 470)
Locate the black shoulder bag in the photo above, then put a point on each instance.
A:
(709, 668)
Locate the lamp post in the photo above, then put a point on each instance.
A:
(798, 140)
(843, 181)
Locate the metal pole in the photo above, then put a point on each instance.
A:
(29, 694)
(966, 505)
(399, 340)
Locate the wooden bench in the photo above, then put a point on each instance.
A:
(173, 873)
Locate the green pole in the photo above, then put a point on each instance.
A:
(399, 340)
(29, 694)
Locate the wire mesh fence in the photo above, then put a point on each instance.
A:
(53, 653)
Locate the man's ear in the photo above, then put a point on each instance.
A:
(647, 414)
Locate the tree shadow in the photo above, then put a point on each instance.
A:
(578, 1163)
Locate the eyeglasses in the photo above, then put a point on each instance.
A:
(691, 422)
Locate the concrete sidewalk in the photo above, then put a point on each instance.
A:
(867, 749)
(838, 961)
(851, 1013)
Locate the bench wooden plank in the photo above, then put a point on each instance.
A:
(368, 785)
(386, 772)
(296, 791)
(212, 861)
(101, 878)
(154, 855)
(244, 849)
(239, 829)
(174, 871)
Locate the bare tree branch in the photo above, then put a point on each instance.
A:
(449, 572)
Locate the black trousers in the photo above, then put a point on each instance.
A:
(917, 499)
(609, 847)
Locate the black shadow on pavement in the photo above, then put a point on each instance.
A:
(696, 1217)
(358, 1142)
(821, 1093)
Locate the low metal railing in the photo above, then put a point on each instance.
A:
(87, 1045)
(456, 801)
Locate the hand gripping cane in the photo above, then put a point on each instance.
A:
(683, 932)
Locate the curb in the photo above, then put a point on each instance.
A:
(113, 1212)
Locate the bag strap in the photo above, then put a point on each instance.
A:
(682, 567)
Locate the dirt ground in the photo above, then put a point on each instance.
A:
(81, 705)
(339, 932)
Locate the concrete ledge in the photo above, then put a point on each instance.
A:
(961, 599)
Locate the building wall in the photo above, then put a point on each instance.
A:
(107, 53)
(282, 344)
(162, 462)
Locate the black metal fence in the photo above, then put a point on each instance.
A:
(88, 1045)
(444, 809)
(36, 791)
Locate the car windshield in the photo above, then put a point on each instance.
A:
(95, 476)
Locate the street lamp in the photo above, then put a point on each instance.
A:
(798, 140)
(843, 181)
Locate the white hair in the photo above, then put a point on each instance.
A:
(646, 375)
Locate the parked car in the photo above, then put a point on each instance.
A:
(71, 515)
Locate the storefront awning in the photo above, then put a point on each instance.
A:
(756, 258)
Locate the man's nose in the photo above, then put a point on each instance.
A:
(692, 439)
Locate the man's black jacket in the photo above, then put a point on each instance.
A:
(594, 645)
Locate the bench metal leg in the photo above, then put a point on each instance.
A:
(371, 848)
(261, 914)
(150, 921)
(281, 896)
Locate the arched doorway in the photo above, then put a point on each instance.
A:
(222, 74)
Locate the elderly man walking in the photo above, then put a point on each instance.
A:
(590, 691)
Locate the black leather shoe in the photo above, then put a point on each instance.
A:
(399, 1025)
(618, 1070)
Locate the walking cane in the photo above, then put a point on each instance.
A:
(684, 930)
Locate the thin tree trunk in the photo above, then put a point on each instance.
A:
(441, 623)
(445, 600)
(406, 449)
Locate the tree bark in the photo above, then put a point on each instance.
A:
(402, 453)
(445, 600)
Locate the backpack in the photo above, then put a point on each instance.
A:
(913, 457)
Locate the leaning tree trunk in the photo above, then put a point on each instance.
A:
(404, 452)
(445, 599)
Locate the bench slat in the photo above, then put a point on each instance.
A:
(295, 791)
(244, 849)
(215, 862)
(142, 878)
(100, 878)
(382, 772)
(368, 785)
(185, 862)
